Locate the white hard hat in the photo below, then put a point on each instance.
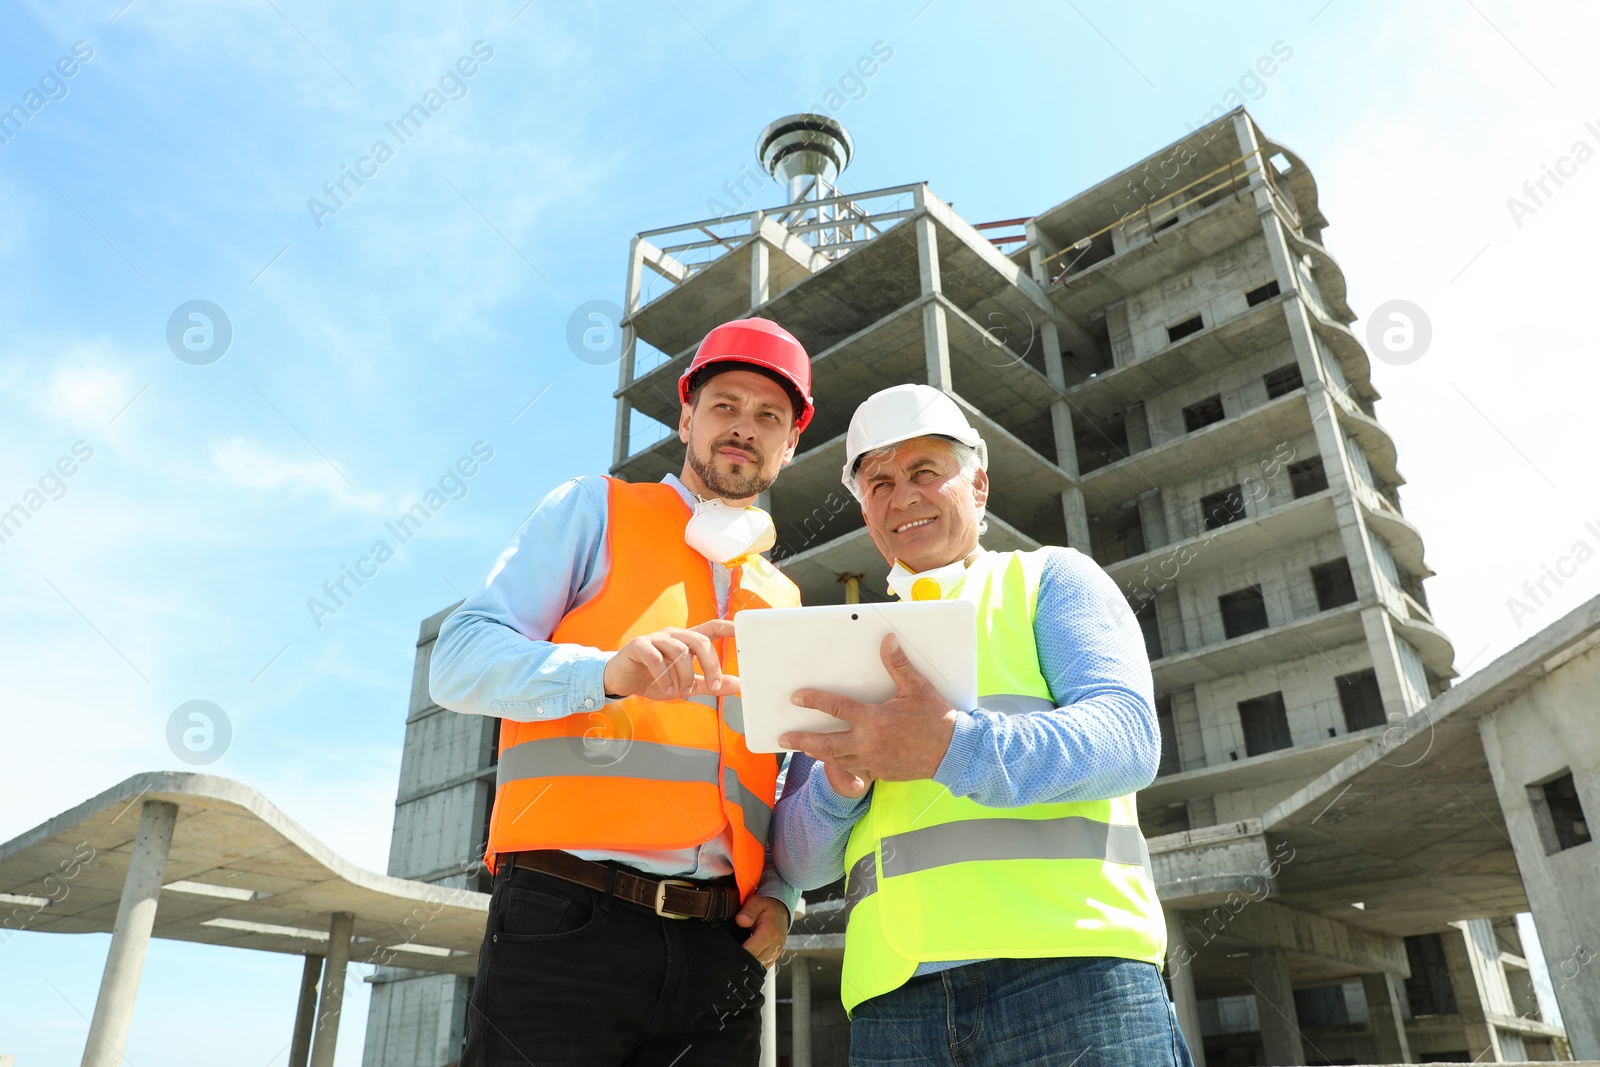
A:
(900, 413)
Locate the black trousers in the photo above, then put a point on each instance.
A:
(569, 977)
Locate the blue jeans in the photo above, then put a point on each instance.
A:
(1073, 1012)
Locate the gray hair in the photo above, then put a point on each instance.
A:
(966, 458)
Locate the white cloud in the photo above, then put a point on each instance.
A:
(66, 377)
(88, 393)
(249, 464)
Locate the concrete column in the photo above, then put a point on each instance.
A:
(1378, 627)
(305, 1013)
(935, 331)
(760, 267)
(635, 284)
(800, 1016)
(1280, 1026)
(769, 1019)
(1340, 471)
(1066, 456)
(1248, 143)
(630, 304)
(1153, 520)
(619, 440)
(1482, 1040)
(1077, 517)
(1388, 1024)
(1336, 462)
(1562, 909)
(339, 930)
(1054, 369)
(1184, 1002)
(1066, 445)
(936, 344)
(927, 254)
(130, 935)
(1037, 251)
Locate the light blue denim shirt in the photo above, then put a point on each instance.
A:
(494, 655)
(1101, 741)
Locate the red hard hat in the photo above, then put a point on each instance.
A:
(760, 343)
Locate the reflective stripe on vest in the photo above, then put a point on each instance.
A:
(1071, 838)
(554, 757)
(733, 714)
(757, 813)
(931, 876)
(860, 882)
(732, 710)
(550, 757)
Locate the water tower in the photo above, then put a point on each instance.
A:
(807, 152)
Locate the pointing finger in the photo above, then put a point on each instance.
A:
(716, 629)
(705, 651)
(677, 675)
(730, 687)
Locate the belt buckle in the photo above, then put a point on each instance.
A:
(661, 897)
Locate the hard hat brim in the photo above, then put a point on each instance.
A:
(972, 441)
(778, 374)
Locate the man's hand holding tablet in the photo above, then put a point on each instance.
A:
(869, 690)
(902, 739)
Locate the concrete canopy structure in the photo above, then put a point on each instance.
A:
(1445, 816)
(194, 857)
(1437, 819)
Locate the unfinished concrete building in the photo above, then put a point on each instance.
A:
(1163, 369)
(441, 824)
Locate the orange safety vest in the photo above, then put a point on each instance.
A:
(643, 774)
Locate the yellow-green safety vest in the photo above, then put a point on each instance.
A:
(933, 876)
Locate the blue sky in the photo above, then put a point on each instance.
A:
(422, 316)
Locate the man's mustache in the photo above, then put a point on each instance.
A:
(753, 453)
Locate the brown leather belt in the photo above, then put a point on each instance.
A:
(670, 898)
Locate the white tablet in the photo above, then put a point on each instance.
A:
(836, 648)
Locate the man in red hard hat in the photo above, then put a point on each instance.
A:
(635, 909)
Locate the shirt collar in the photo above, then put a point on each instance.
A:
(683, 490)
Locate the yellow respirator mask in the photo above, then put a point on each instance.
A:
(926, 585)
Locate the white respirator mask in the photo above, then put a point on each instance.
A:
(729, 535)
(926, 585)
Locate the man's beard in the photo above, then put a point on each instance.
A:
(728, 486)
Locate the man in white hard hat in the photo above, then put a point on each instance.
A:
(1000, 903)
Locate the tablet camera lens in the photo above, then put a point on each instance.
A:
(855, 616)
